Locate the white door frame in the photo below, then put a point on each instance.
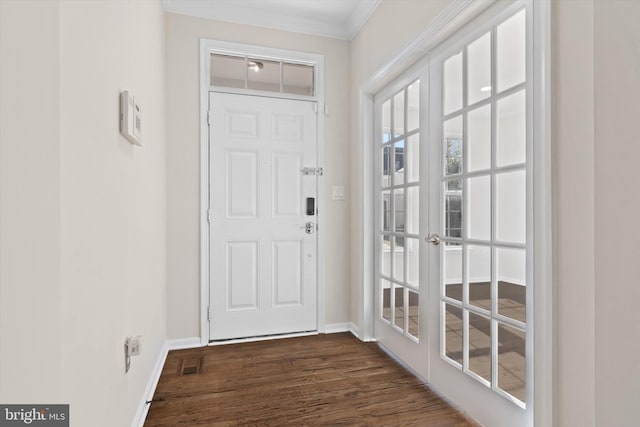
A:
(457, 14)
(208, 46)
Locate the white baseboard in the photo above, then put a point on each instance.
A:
(335, 328)
(184, 343)
(353, 328)
(143, 407)
(177, 344)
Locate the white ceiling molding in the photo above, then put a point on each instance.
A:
(339, 19)
(360, 15)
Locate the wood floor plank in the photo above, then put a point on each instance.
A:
(330, 380)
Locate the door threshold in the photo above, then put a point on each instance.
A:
(261, 338)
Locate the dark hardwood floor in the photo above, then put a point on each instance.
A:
(329, 380)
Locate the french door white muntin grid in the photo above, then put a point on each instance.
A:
(390, 231)
(493, 244)
(479, 401)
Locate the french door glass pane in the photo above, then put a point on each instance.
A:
(412, 159)
(386, 166)
(479, 69)
(398, 163)
(414, 314)
(399, 311)
(512, 295)
(398, 208)
(452, 85)
(453, 209)
(478, 212)
(511, 216)
(453, 145)
(452, 267)
(413, 106)
(386, 121)
(511, 361)
(480, 345)
(412, 251)
(511, 132)
(398, 114)
(453, 333)
(511, 60)
(385, 255)
(385, 286)
(413, 210)
(386, 210)
(398, 258)
(479, 274)
(479, 139)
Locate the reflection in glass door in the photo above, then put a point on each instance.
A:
(482, 184)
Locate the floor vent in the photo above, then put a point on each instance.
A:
(191, 366)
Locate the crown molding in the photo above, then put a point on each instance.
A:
(360, 16)
(244, 13)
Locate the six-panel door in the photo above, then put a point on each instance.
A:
(263, 260)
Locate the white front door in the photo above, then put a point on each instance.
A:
(263, 212)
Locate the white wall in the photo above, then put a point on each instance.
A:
(83, 212)
(113, 205)
(617, 249)
(574, 186)
(183, 35)
(29, 203)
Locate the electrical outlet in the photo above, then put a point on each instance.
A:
(132, 347)
(133, 344)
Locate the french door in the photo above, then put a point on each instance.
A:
(400, 187)
(470, 234)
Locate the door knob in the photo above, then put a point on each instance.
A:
(434, 239)
(308, 227)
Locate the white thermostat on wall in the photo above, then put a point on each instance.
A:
(130, 118)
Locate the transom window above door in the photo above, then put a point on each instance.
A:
(262, 74)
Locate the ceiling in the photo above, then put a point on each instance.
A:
(341, 19)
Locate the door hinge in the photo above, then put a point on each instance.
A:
(312, 171)
(209, 215)
(209, 115)
(315, 107)
(208, 314)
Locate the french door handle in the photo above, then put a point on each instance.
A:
(434, 239)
